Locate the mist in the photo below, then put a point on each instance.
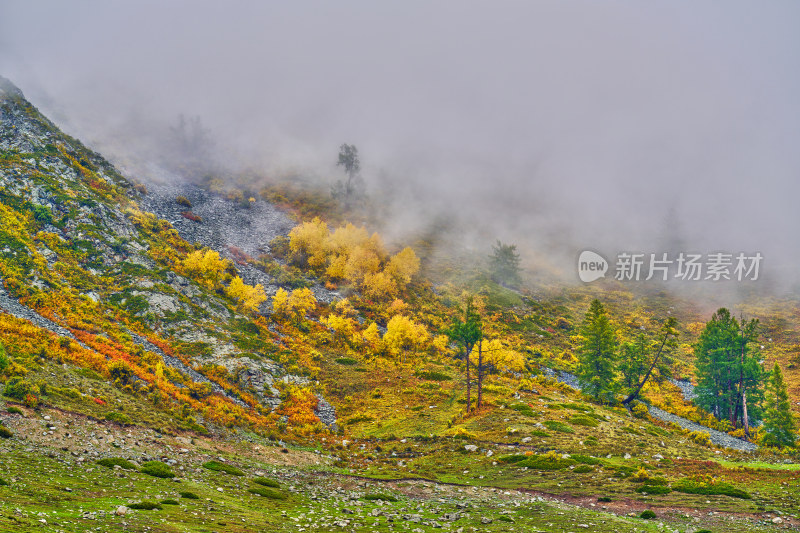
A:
(558, 126)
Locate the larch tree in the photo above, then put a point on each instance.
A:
(353, 187)
(466, 332)
(780, 428)
(504, 264)
(597, 354)
(728, 374)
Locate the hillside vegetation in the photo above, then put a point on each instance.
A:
(176, 376)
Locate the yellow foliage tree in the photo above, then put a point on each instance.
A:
(280, 302)
(310, 240)
(362, 261)
(442, 344)
(343, 327)
(206, 267)
(403, 265)
(397, 306)
(249, 297)
(404, 336)
(344, 307)
(502, 357)
(301, 301)
(380, 286)
(373, 343)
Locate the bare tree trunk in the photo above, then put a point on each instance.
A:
(480, 373)
(746, 421)
(469, 385)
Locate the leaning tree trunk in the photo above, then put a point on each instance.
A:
(635, 393)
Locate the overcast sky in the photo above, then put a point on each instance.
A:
(579, 124)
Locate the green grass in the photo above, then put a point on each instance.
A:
(522, 408)
(433, 375)
(111, 462)
(654, 489)
(266, 492)
(379, 496)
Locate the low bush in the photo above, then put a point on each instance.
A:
(268, 493)
(583, 469)
(222, 467)
(157, 469)
(189, 495)
(169, 501)
(145, 505)
(690, 486)
(347, 361)
(267, 482)
(582, 420)
(555, 425)
(14, 410)
(586, 460)
(5, 433)
(18, 388)
(647, 515)
(119, 418)
(700, 437)
(639, 410)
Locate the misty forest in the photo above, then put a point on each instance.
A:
(399, 266)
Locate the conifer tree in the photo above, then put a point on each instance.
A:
(779, 424)
(597, 354)
(729, 377)
(467, 333)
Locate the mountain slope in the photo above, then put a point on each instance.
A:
(81, 259)
(120, 353)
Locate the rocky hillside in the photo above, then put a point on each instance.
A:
(94, 260)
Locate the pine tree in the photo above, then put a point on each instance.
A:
(597, 354)
(729, 378)
(779, 424)
(467, 333)
(504, 264)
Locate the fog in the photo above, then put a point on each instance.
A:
(558, 126)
